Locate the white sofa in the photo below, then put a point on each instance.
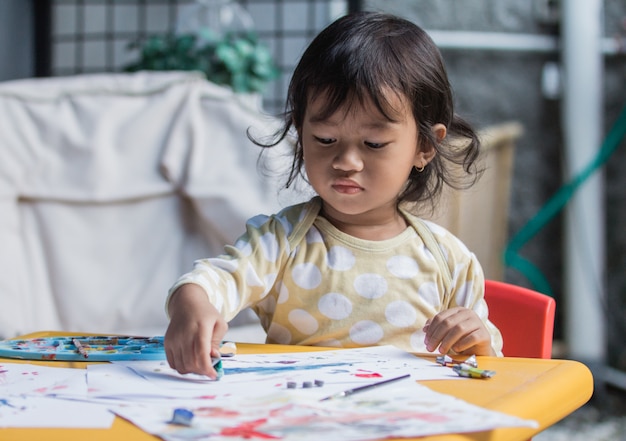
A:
(110, 186)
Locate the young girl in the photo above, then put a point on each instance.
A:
(372, 107)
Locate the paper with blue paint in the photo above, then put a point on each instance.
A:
(268, 373)
(404, 411)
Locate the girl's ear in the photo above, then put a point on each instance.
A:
(426, 151)
(440, 131)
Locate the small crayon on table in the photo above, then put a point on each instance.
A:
(181, 417)
(465, 370)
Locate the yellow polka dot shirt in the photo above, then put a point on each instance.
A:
(311, 284)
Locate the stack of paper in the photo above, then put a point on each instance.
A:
(272, 396)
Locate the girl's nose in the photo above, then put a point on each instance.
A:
(348, 159)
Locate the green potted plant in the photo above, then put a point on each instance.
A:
(234, 59)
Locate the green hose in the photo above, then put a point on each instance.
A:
(512, 258)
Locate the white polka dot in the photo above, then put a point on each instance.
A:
(417, 341)
(225, 264)
(403, 267)
(269, 246)
(340, 258)
(429, 292)
(463, 295)
(283, 292)
(252, 278)
(213, 275)
(335, 306)
(306, 275)
(279, 334)
(314, 236)
(370, 286)
(400, 313)
(303, 321)
(366, 332)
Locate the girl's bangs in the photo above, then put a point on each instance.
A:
(339, 96)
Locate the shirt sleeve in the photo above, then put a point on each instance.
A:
(468, 287)
(246, 272)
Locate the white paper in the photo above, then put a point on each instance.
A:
(45, 412)
(408, 411)
(252, 397)
(273, 371)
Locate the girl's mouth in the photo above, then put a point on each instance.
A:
(347, 186)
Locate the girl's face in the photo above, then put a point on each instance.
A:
(359, 162)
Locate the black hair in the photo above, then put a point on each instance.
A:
(363, 56)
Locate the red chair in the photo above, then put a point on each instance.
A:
(525, 319)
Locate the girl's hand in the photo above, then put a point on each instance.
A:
(195, 332)
(458, 329)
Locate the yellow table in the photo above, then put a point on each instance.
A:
(543, 390)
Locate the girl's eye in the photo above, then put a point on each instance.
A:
(375, 145)
(325, 141)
